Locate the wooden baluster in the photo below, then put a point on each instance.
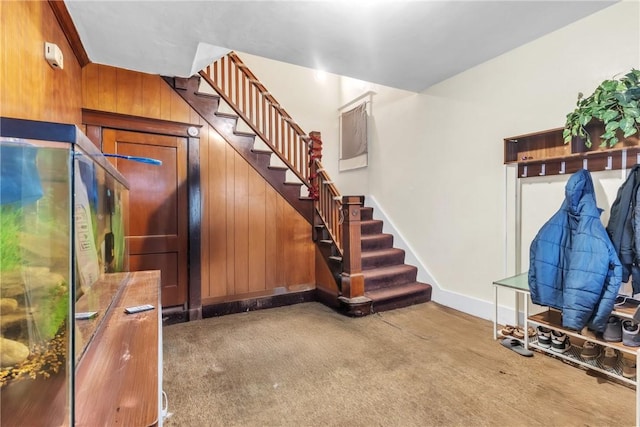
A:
(276, 135)
(230, 68)
(250, 114)
(282, 139)
(264, 115)
(235, 78)
(221, 71)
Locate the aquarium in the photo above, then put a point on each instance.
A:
(63, 220)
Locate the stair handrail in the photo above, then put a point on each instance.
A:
(327, 198)
(251, 100)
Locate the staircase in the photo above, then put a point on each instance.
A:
(226, 124)
(370, 274)
(388, 281)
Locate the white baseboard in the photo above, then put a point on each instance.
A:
(467, 304)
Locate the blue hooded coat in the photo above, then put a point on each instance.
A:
(573, 264)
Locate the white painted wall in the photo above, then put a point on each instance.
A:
(436, 168)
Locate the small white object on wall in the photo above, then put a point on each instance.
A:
(53, 55)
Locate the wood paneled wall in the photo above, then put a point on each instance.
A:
(29, 87)
(252, 239)
(122, 91)
(256, 240)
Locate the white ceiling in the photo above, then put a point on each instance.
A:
(403, 44)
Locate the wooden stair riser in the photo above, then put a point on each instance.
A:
(377, 241)
(371, 226)
(389, 276)
(366, 213)
(382, 258)
(417, 293)
(327, 248)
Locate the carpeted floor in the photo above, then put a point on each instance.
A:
(425, 365)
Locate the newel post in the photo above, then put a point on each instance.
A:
(315, 152)
(353, 298)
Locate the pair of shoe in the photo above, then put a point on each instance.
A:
(628, 368)
(552, 339)
(626, 331)
(610, 358)
(613, 330)
(630, 333)
(590, 351)
(517, 331)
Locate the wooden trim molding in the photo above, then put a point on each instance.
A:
(221, 306)
(69, 29)
(195, 221)
(139, 124)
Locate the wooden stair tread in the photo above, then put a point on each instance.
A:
(398, 291)
(226, 115)
(241, 133)
(375, 236)
(388, 271)
(380, 252)
(207, 95)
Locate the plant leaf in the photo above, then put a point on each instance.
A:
(610, 115)
(631, 112)
(612, 126)
(584, 120)
(623, 98)
(630, 132)
(633, 93)
(607, 135)
(624, 123)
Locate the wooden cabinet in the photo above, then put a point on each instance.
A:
(119, 378)
(545, 153)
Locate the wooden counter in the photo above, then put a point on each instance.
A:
(119, 377)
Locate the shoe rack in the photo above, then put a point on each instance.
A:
(552, 319)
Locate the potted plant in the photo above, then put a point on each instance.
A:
(615, 104)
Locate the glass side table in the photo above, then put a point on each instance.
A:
(520, 285)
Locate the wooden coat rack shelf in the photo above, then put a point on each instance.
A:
(545, 153)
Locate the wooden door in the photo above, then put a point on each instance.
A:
(158, 207)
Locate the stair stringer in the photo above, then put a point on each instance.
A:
(206, 105)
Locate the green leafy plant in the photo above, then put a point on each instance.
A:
(615, 103)
(10, 228)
